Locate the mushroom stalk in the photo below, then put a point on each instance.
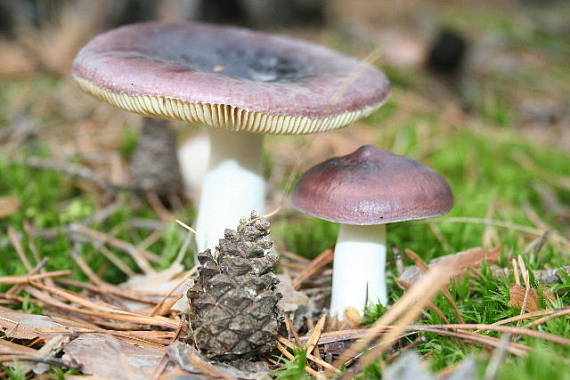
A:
(194, 155)
(359, 268)
(155, 167)
(233, 185)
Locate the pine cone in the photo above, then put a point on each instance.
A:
(233, 303)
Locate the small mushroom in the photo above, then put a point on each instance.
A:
(363, 191)
(269, 85)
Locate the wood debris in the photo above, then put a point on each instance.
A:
(9, 205)
(470, 259)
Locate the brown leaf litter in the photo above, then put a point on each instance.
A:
(108, 357)
(518, 294)
(133, 330)
(470, 259)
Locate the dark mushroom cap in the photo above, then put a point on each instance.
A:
(228, 77)
(372, 186)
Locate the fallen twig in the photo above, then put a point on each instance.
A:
(113, 315)
(73, 170)
(18, 247)
(546, 276)
(119, 244)
(533, 314)
(315, 359)
(13, 280)
(558, 314)
(314, 267)
(424, 267)
(290, 356)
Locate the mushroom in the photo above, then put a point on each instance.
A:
(363, 191)
(155, 167)
(244, 84)
(193, 156)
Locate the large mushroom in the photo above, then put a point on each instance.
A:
(244, 84)
(363, 191)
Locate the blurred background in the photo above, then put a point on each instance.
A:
(480, 92)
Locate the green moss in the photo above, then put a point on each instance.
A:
(542, 363)
(130, 140)
(294, 369)
(308, 236)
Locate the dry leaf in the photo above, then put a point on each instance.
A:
(160, 283)
(469, 259)
(190, 360)
(180, 374)
(47, 352)
(84, 377)
(517, 298)
(292, 298)
(107, 357)
(353, 317)
(409, 366)
(18, 325)
(10, 348)
(9, 205)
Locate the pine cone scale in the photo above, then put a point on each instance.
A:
(234, 312)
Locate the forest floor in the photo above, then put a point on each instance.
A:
(499, 133)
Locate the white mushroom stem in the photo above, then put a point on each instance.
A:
(359, 270)
(233, 185)
(194, 155)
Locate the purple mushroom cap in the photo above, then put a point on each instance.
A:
(372, 186)
(228, 77)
